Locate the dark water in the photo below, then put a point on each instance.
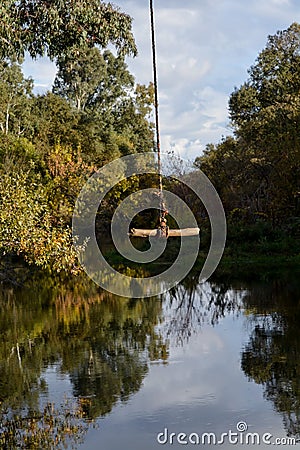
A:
(103, 372)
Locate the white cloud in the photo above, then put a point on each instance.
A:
(204, 50)
(198, 116)
(42, 71)
(281, 2)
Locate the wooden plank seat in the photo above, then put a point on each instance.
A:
(138, 232)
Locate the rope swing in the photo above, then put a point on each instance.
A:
(162, 224)
(162, 229)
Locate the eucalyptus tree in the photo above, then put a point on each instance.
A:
(43, 27)
(114, 112)
(15, 95)
(89, 78)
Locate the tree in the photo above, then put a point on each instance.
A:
(27, 227)
(94, 114)
(51, 28)
(89, 79)
(54, 121)
(78, 76)
(132, 119)
(92, 81)
(263, 171)
(265, 114)
(15, 93)
(114, 113)
(274, 78)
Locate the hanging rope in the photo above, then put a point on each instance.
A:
(162, 205)
(155, 92)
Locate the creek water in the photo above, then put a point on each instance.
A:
(214, 364)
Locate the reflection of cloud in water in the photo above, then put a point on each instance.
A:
(186, 310)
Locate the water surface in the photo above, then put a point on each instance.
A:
(127, 373)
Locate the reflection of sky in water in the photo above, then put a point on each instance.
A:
(210, 339)
(202, 389)
(58, 384)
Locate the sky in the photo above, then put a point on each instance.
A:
(204, 49)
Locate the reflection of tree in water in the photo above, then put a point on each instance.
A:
(272, 356)
(102, 342)
(121, 340)
(190, 305)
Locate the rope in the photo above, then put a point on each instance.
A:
(162, 204)
(156, 102)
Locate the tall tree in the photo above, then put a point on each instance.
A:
(15, 92)
(274, 78)
(265, 165)
(52, 27)
(114, 112)
(79, 74)
(265, 114)
(89, 79)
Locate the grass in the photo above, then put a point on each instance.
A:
(253, 251)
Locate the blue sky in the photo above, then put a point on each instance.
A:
(204, 48)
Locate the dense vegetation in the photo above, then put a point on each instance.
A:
(257, 171)
(50, 144)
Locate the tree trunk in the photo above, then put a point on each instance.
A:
(7, 120)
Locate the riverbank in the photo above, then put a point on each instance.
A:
(249, 260)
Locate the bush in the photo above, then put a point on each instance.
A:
(26, 226)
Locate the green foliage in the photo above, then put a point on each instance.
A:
(79, 74)
(26, 224)
(258, 171)
(15, 93)
(19, 152)
(88, 78)
(50, 144)
(68, 173)
(274, 79)
(53, 28)
(113, 113)
(54, 121)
